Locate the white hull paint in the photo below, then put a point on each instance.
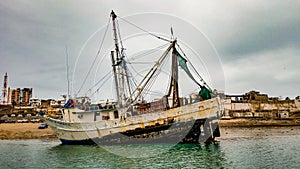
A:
(84, 131)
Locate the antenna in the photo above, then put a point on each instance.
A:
(172, 34)
(68, 79)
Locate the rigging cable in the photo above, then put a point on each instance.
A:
(150, 51)
(100, 80)
(201, 79)
(68, 78)
(145, 54)
(97, 55)
(104, 80)
(155, 76)
(150, 33)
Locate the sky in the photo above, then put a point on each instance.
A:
(257, 42)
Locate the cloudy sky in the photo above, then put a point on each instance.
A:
(258, 42)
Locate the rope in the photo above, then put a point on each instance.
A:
(201, 79)
(152, 34)
(130, 75)
(104, 79)
(141, 55)
(107, 74)
(154, 78)
(97, 55)
(68, 76)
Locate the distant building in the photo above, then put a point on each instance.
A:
(256, 105)
(252, 96)
(35, 102)
(20, 95)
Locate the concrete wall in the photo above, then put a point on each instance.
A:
(241, 106)
(257, 106)
(256, 109)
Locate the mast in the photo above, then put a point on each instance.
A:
(115, 73)
(176, 102)
(119, 65)
(173, 88)
(127, 79)
(120, 72)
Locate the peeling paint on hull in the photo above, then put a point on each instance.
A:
(178, 125)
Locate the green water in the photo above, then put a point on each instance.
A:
(232, 152)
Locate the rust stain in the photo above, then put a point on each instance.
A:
(142, 125)
(201, 108)
(99, 133)
(151, 123)
(160, 121)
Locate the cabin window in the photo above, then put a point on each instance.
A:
(116, 114)
(105, 117)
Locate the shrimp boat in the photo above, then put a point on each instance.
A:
(132, 119)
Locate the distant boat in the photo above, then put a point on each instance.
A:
(131, 119)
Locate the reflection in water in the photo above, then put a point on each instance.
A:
(194, 155)
(179, 156)
(88, 156)
(138, 150)
(245, 152)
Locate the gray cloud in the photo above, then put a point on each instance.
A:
(240, 29)
(275, 72)
(258, 41)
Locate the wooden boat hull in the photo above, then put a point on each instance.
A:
(192, 123)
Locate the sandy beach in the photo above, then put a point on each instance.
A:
(228, 127)
(24, 131)
(252, 122)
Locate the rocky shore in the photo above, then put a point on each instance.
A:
(14, 131)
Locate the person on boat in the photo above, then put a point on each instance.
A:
(69, 104)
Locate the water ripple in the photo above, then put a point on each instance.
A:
(244, 152)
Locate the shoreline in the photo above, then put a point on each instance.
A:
(18, 131)
(24, 131)
(253, 122)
